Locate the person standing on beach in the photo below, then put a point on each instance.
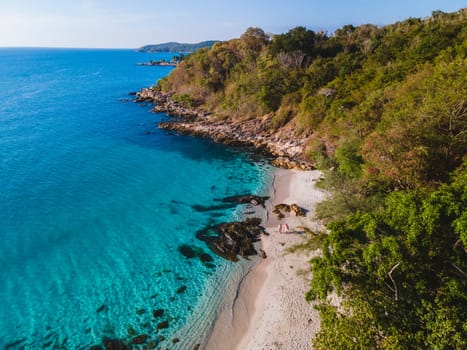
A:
(280, 228)
(287, 228)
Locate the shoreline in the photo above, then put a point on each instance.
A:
(269, 310)
(256, 133)
(266, 306)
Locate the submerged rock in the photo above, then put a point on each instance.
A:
(158, 313)
(140, 339)
(246, 199)
(152, 344)
(163, 325)
(131, 331)
(102, 308)
(206, 208)
(195, 252)
(115, 344)
(205, 257)
(181, 290)
(229, 240)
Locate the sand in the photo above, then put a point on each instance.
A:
(269, 310)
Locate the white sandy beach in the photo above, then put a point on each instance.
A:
(269, 311)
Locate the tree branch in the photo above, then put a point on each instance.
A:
(459, 269)
(392, 279)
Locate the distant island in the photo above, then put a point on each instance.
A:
(158, 63)
(177, 47)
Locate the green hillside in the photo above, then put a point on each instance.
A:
(177, 47)
(384, 110)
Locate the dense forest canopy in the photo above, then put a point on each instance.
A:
(387, 103)
(384, 110)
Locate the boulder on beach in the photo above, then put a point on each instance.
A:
(293, 209)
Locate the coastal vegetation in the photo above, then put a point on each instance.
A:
(383, 110)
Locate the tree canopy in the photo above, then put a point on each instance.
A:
(384, 110)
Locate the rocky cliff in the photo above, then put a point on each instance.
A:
(288, 152)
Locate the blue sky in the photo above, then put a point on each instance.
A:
(133, 23)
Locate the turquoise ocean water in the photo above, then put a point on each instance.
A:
(95, 201)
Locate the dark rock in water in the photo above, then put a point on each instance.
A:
(96, 347)
(15, 344)
(210, 265)
(204, 208)
(158, 313)
(175, 340)
(132, 93)
(46, 345)
(140, 339)
(197, 346)
(161, 338)
(140, 311)
(152, 344)
(131, 331)
(163, 325)
(192, 252)
(102, 308)
(187, 251)
(246, 199)
(115, 344)
(262, 254)
(205, 257)
(181, 290)
(234, 238)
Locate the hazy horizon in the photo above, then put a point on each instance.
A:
(118, 24)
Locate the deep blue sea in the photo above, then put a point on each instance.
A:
(95, 201)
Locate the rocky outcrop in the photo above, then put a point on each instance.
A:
(257, 133)
(231, 239)
(115, 344)
(293, 209)
(165, 103)
(246, 199)
(140, 339)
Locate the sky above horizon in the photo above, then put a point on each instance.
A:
(131, 24)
